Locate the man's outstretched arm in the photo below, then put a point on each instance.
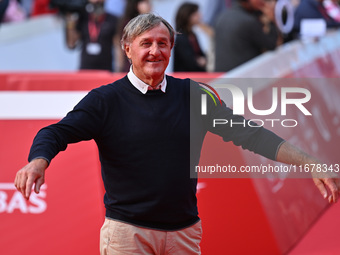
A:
(290, 154)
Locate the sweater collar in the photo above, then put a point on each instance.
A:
(142, 86)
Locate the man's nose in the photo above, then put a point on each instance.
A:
(154, 49)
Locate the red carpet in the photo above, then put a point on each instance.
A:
(323, 237)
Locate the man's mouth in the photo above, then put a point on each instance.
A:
(154, 61)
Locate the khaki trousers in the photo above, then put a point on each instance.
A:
(119, 238)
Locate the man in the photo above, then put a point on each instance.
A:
(141, 125)
(243, 32)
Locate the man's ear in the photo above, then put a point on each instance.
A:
(127, 50)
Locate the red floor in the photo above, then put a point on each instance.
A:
(323, 237)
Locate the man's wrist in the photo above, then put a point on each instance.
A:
(42, 160)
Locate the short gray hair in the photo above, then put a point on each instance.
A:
(142, 23)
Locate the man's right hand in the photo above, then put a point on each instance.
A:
(32, 173)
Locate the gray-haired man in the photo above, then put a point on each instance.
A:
(141, 125)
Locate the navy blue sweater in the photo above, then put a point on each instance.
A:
(146, 147)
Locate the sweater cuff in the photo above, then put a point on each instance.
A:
(40, 157)
(278, 148)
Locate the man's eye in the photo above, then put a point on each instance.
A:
(146, 44)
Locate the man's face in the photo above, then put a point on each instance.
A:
(150, 53)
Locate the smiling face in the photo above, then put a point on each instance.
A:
(150, 53)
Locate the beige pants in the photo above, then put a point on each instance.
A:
(118, 238)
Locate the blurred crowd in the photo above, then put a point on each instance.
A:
(237, 30)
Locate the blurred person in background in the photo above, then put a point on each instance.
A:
(13, 12)
(3, 7)
(27, 5)
(188, 55)
(328, 10)
(243, 32)
(95, 29)
(132, 9)
(41, 7)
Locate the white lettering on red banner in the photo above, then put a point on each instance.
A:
(12, 200)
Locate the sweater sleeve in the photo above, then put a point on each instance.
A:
(83, 123)
(221, 120)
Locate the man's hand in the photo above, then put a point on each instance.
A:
(324, 181)
(32, 173)
(331, 184)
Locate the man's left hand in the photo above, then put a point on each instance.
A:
(329, 188)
